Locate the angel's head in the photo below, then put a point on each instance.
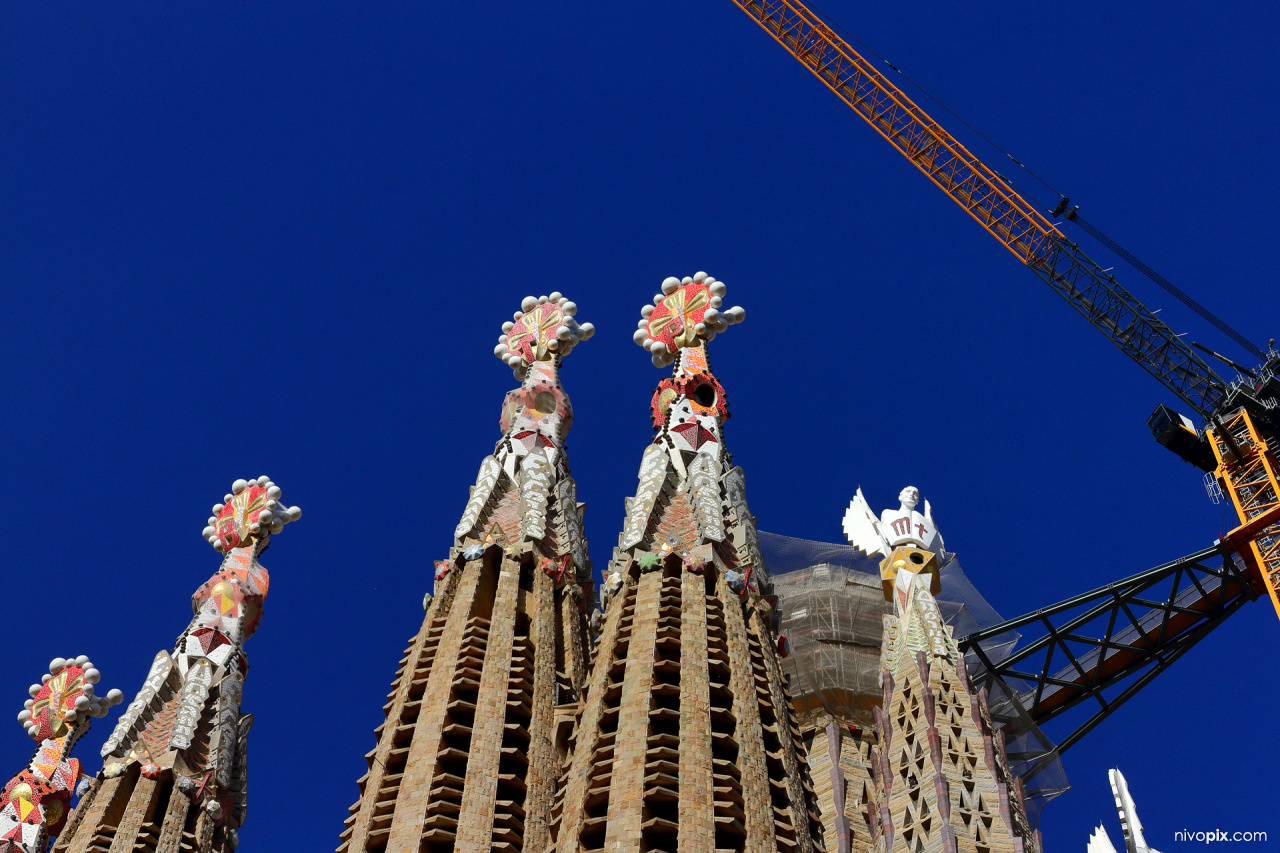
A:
(910, 496)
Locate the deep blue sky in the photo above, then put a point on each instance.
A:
(280, 238)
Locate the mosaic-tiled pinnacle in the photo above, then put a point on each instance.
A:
(176, 773)
(481, 709)
(686, 740)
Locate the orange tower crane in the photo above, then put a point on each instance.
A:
(1240, 436)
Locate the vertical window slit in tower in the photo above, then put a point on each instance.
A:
(727, 801)
(661, 823)
(440, 824)
(770, 724)
(149, 831)
(565, 694)
(596, 805)
(513, 763)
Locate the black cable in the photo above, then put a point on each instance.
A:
(827, 19)
(1074, 216)
(1168, 286)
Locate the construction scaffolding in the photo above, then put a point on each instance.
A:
(832, 609)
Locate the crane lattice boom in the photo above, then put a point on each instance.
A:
(991, 201)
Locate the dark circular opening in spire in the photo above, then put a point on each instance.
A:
(544, 402)
(704, 394)
(917, 559)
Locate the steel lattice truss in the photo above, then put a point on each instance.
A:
(990, 200)
(1107, 644)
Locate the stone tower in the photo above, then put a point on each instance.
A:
(941, 779)
(687, 740)
(480, 712)
(34, 805)
(176, 774)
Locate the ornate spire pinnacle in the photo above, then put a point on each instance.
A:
(685, 314)
(251, 512)
(536, 417)
(542, 329)
(34, 805)
(467, 757)
(183, 740)
(685, 738)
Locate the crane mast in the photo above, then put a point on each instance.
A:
(1241, 439)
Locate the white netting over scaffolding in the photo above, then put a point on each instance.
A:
(832, 605)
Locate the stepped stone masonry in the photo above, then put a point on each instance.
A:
(686, 740)
(931, 772)
(479, 715)
(176, 774)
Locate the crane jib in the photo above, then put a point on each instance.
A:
(989, 199)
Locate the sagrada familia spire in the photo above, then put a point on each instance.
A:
(176, 776)
(479, 715)
(34, 805)
(686, 739)
(939, 776)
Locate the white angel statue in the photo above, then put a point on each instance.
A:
(901, 526)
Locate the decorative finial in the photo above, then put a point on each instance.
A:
(685, 314)
(543, 328)
(64, 699)
(35, 803)
(252, 508)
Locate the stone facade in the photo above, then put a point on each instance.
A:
(176, 773)
(687, 740)
(942, 780)
(479, 715)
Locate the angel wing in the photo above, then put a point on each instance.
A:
(862, 529)
(937, 545)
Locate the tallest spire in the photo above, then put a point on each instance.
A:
(686, 740)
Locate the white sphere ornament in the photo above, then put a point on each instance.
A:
(239, 486)
(528, 303)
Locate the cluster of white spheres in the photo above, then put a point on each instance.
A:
(713, 322)
(568, 333)
(86, 704)
(273, 518)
